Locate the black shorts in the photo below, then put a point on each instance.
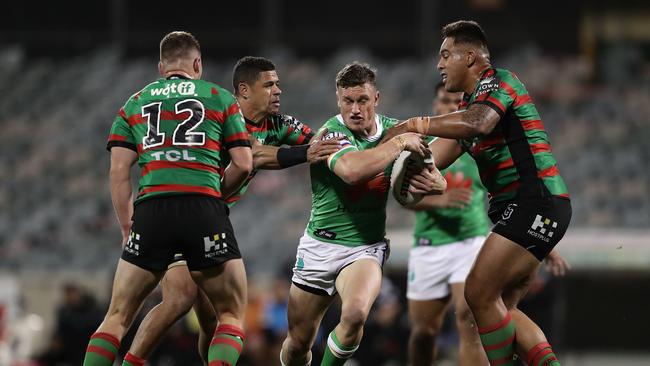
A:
(535, 224)
(196, 226)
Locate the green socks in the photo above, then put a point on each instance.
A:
(226, 345)
(101, 350)
(336, 353)
(498, 341)
(542, 355)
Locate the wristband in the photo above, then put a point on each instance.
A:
(292, 155)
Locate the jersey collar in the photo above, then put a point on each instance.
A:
(378, 133)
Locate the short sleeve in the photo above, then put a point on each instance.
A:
(121, 133)
(345, 143)
(234, 128)
(295, 132)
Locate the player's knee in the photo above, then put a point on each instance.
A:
(121, 314)
(423, 334)
(297, 343)
(464, 316)
(477, 297)
(181, 302)
(353, 317)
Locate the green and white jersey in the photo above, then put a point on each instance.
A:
(450, 225)
(342, 213)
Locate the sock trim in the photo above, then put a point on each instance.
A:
(101, 351)
(545, 353)
(231, 330)
(227, 341)
(108, 338)
(339, 350)
(134, 360)
(533, 352)
(499, 325)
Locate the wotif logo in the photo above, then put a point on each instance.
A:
(182, 88)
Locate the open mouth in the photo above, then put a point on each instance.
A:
(443, 76)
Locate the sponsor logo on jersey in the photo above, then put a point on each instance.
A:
(182, 88)
(173, 155)
(325, 234)
(335, 135)
(487, 85)
(132, 246)
(541, 228)
(215, 246)
(293, 122)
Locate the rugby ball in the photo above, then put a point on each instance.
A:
(407, 161)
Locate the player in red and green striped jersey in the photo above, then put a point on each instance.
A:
(177, 128)
(501, 129)
(256, 86)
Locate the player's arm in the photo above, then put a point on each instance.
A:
(241, 165)
(237, 141)
(354, 166)
(478, 119)
(120, 185)
(451, 198)
(313, 151)
(445, 151)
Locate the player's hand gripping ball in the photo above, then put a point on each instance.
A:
(411, 163)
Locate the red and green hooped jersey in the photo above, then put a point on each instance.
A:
(515, 159)
(274, 130)
(179, 128)
(441, 226)
(342, 213)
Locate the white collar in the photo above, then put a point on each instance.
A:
(373, 138)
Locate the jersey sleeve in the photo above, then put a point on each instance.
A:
(496, 92)
(345, 143)
(234, 127)
(121, 133)
(295, 132)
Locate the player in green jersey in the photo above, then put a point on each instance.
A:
(177, 128)
(501, 129)
(448, 233)
(343, 248)
(257, 90)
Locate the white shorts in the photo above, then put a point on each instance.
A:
(433, 268)
(319, 263)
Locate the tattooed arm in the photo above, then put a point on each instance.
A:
(479, 119)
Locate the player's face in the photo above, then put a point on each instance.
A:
(452, 65)
(357, 105)
(446, 102)
(265, 93)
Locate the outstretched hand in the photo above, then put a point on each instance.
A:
(319, 149)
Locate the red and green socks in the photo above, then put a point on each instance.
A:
(131, 360)
(101, 350)
(498, 341)
(542, 355)
(336, 353)
(226, 345)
